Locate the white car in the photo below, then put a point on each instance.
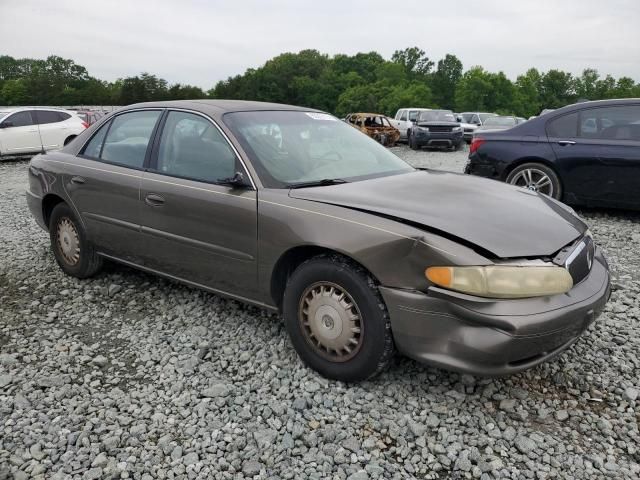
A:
(471, 121)
(29, 130)
(404, 120)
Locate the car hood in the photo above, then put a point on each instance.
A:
(503, 220)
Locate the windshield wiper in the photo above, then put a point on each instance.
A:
(317, 183)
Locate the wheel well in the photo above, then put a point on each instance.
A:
(69, 139)
(49, 202)
(521, 161)
(290, 260)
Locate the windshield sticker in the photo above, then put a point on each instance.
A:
(321, 116)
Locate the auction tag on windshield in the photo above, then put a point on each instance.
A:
(321, 116)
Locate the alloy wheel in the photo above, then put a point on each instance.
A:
(533, 179)
(331, 321)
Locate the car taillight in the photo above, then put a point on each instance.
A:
(475, 144)
(85, 124)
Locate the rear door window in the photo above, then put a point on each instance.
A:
(94, 147)
(565, 126)
(128, 137)
(49, 116)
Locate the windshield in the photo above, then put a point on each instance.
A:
(437, 116)
(4, 113)
(466, 117)
(484, 116)
(288, 147)
(500, 121)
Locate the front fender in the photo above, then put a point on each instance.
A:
(396, 254)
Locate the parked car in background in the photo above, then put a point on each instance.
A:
(583, 154)
(436, 128)
(404, 120)
(376, 126)
(89, 116)
(294, 211)
(470, 121)
(29, 130)
(499, 122)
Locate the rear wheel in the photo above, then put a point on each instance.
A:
(337, 320)
(536, 177)
(73, 252)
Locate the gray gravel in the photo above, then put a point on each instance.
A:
(130, 376)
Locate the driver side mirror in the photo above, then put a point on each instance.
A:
(6, 124)
(236, 181)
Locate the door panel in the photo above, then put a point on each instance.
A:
(195, 228)
(22, 137)
(105, 184)
(602, 158)
(108, 199)
(53, 128)
(200, 232)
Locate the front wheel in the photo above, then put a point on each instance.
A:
(71, 248)
(536, 177)
(337, 320)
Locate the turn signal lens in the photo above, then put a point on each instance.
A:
(503, 281)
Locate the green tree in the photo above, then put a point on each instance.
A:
(474, 90)
(14, 92)
(414, 61)
(445, 80)
(556, 89)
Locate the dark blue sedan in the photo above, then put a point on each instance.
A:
(587, 154)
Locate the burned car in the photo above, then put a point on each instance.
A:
(294, 211)
(376, 126)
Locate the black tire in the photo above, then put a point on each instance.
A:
(513, 175)
(412, 144)
(64, 222)
(69, 140)
(375, 346)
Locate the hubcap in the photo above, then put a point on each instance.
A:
(533, 179)
(68, 241)
(330, 321)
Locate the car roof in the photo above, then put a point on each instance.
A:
(220, 107)
(593, 103)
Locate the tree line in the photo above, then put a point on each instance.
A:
(339, 84)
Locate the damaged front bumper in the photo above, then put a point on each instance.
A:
(490, 337)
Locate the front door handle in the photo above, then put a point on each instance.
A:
(154, 199)
(566, 142)
(77, 180)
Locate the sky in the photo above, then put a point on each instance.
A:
(200, 42)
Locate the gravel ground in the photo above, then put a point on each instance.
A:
(130, 376)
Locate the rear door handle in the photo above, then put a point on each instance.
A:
(566, 142)
(154, 199)
(77, 180)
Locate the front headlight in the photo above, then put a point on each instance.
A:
(423, 129)
(503, 281)
(456, 129)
